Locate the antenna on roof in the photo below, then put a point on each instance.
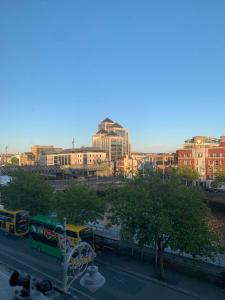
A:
(73, 142)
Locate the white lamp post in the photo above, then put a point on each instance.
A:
(75, 263)
(92, 280)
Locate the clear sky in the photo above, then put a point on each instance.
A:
(156, 67)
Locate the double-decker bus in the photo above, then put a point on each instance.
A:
(15, 223)
(46, 234)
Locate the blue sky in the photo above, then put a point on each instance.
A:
(156, 67)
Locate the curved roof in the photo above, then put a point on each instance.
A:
(116, 125)
(107, 120)
(102, 131)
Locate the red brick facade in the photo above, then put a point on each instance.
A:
(215, 161)
(200, 153)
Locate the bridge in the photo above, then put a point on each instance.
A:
(60, 178)
(99, 184)
(103, 169)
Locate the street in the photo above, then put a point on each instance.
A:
(120, 284)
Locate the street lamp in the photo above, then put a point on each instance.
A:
(92, 280)
(75, 264)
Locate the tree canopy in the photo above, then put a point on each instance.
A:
(29, 192)
(220, 177)
(14, 161)
(186, 173)
(79, 204)
(163, 215)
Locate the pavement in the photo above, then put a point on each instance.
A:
(196, 287)
(126, 278)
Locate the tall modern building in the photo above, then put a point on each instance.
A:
(203, 154)
(112, 138)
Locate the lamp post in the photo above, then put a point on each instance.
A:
(163, 171)
(75, 264)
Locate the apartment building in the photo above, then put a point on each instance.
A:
(112, 138)
(78, 157)
(27, 159)
(126, 166)
(204, 154)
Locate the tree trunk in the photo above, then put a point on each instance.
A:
(156, 255)
(161, 264)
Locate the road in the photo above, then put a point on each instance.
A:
(120, 284)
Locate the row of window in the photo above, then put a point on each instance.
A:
(187, 162)
(216, 154)
(185, 155)
(216, 162)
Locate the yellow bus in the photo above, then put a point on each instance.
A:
(77, 233)
(15, 223)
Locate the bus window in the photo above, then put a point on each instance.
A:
(86, 235)
(72, 234)
(22, 222)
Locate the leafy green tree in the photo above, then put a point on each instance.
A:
(29, 192)
(14, 161)
(186, 173)
(79, 204)
(163, 215)
(219, 177)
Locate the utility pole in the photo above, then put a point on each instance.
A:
(73, 143)
(6, 149)
(163, 170)
(65, 249)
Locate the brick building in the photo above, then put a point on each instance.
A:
(126, 166)
(203, 154)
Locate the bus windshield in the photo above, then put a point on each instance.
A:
(22, 222)
(86, 235)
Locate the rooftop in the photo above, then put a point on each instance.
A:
(116, 125)
(82, 149)
(102, 131)
(200, 139)
(107, 120)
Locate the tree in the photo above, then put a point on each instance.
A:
(79, 204)
(14, 161)
(164, 215)
(186, 173)
(219, 177)
(29, 192)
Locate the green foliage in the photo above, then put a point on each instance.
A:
(187, 173)
(29, 192)
(79, 204)
(220, 177)
(164, 215)
(14, 161)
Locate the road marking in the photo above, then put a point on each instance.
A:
(4, 274)
(46, 275)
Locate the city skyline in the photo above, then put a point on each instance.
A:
(157, 68)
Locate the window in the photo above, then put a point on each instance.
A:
(72, 234)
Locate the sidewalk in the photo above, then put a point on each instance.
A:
(174, 279)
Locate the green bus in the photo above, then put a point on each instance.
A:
(46, 233)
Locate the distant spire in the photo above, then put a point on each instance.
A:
(73, 142)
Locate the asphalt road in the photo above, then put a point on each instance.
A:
(120, 284)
